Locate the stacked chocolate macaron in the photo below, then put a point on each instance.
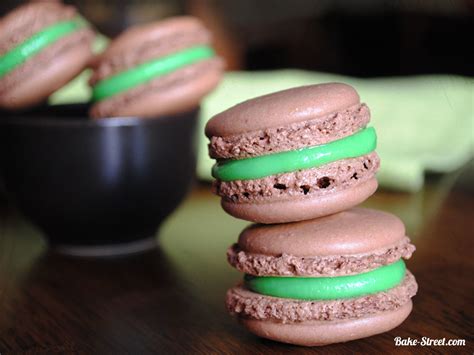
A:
(293, 155)
(317, 270)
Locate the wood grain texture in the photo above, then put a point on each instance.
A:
(171, 300)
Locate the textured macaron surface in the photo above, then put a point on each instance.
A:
(146, 53)
(317, 181)
(290, 265)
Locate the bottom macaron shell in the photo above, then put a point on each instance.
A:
(317, 333)
(70, 56)
(303, 208)
(248, 304)
(177, 92)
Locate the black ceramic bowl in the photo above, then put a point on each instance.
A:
(96, 186)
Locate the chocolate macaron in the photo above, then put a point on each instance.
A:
(294, 155)
(322, 281)
(155, 69)
(43, 45)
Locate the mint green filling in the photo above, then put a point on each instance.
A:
(38, 42)
(360, 143)
(329, 288)
(148, 71)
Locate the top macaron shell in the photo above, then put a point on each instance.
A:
(349, 242)
(294, 155)
(283, 108)
(177, 91)
(34, 79)
(286, 120)
(352, 232)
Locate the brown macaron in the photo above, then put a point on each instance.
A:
(332, 279)
(43, 45)
(294, 155)
(156, 69)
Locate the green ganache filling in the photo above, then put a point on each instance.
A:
(148, 71)
(36, 43)
(328, 288)
(358, 144)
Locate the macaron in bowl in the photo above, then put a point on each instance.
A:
(160, 68)
(294, 155)
(327, 280)
(43, 45)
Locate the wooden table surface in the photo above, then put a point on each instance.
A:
(171, 300)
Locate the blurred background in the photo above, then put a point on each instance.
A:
(363, 38)
(419, 52)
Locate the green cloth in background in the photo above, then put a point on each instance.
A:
(77, 90)
(423, 123)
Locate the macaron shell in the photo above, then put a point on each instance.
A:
(147, 42)
(318, 333)
(304, 208)
(334, 265)
(173, 93)
(154, 31)
(248, 304)
(47, 72)
(283, 108)
(357, 231)
(291, 136)
(317, 181)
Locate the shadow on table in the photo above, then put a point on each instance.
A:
(105, 303)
